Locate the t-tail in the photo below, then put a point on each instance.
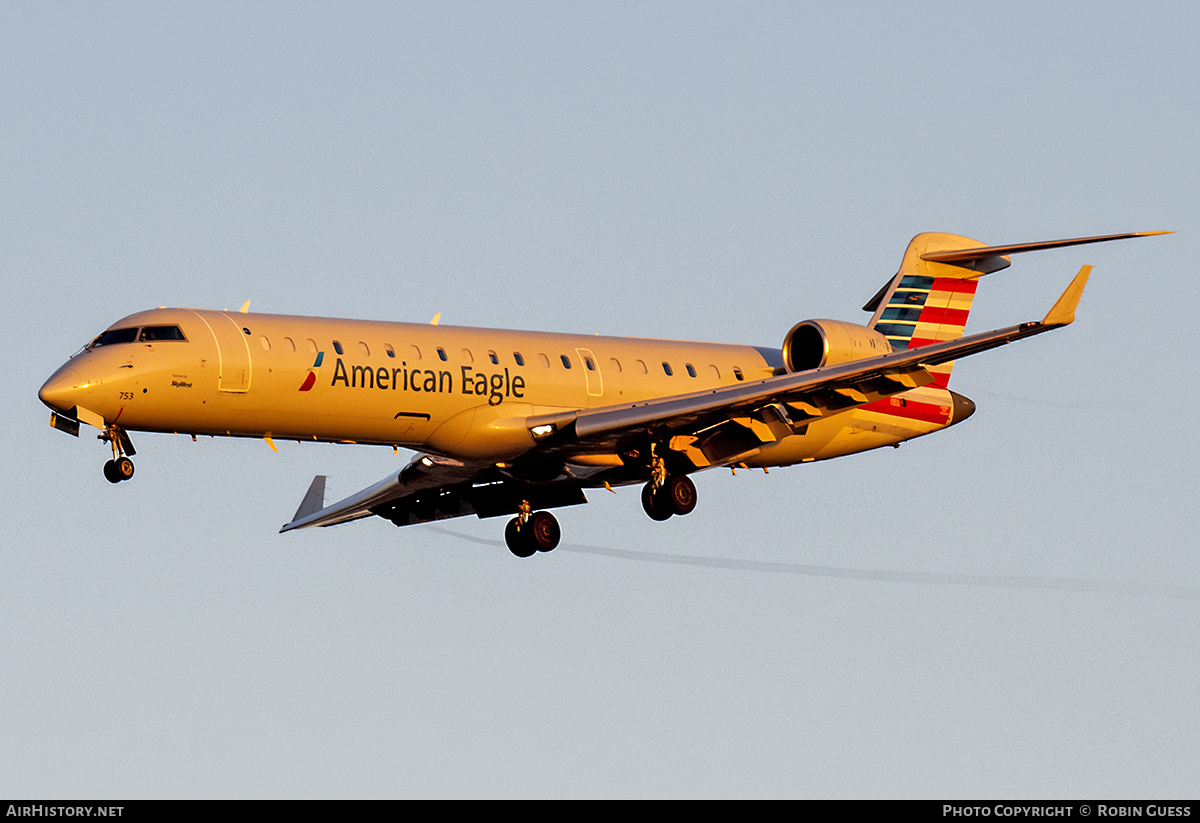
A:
(929, 298)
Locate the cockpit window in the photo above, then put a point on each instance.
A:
(113, 336)
(162, 333)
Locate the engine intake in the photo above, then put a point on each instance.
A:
(816, 343)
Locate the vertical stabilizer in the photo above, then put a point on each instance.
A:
(928, 301)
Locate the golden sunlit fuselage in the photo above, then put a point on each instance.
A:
(459, 392)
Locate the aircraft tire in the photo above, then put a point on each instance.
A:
(519, 541)
(681, 493)
(123, 468)
(110, 472)
(544, 531)
(653, 504)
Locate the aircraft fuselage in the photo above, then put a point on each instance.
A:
(459, 392)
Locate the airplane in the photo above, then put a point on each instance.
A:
(517, 423)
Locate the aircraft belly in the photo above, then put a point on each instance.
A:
(853, 431)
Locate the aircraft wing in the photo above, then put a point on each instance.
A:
(435, 488)
(766, 407)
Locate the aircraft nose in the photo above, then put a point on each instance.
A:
(61, 390)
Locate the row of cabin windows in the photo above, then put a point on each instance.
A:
(155, 333)
(414, 352)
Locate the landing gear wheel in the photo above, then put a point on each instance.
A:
(657, 505)
(518, 538)
(544, 532)
(539, 533)
(117, 470)
(681, 492)
(124, 468)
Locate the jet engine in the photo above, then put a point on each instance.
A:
(816, 343)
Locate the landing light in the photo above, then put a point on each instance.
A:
(544, 430)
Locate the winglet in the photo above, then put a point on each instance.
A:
(1062, 313)
(313, 501)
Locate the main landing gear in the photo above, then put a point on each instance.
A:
(120, 467)
(531, 531)
(666, 495)
(676, 495)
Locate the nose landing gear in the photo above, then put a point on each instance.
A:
(117, 470)
(120, 467)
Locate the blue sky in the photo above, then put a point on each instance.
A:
(1008, 608)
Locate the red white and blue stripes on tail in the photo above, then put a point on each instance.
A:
(929, 301)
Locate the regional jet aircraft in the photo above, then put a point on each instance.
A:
(515, 423)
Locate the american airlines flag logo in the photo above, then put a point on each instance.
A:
(312, 373)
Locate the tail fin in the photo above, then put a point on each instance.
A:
(929, 299)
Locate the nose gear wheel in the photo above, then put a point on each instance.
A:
(120, 467)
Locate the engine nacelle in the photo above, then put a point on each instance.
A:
(816, 343)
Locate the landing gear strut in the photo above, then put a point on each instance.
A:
(531, 532)
(666, 495)
(120, 467)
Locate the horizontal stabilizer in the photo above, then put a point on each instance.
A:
(983, 252)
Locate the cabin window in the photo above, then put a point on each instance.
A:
(520, 358)
(616, 364)
(667, 369)
(641, 364)
(544, 360)
(364, 349)
(468, 358)
(113, 336)
(266, 344)
(312, 345)
(738, 373)
(290, 343)
(414, 352)
(566, 361)
(337, 347)
(492, 357)
(591, 366)
(715, 371)
(387, 347)
(691, 370)
(161, 333)
(441, 354)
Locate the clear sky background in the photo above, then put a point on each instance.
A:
(1008, 608)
